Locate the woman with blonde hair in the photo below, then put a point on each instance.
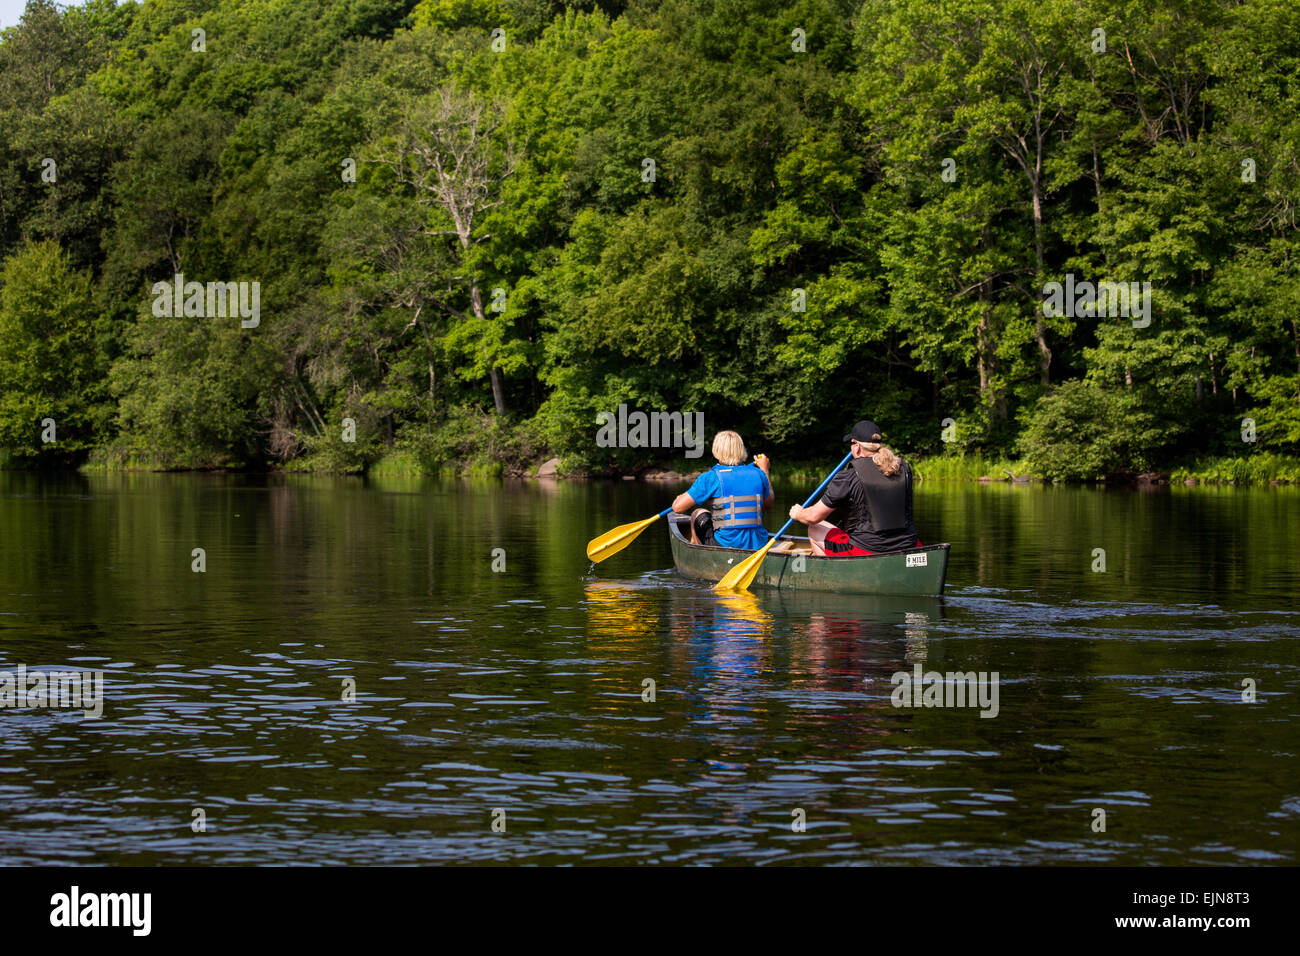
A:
(737, 494)
(876, 490)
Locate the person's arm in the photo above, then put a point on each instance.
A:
(701, 490)
(837, 492)
(765, 464)
(818, 512)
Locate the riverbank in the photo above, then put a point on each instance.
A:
(1261, 469)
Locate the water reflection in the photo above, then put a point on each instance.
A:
(722, 643)
(834, 653)
(617, 611)
(853, 634)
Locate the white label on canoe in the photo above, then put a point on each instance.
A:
(916, 560)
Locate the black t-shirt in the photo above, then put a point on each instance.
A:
(869, 504)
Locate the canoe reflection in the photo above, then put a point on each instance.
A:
(720, 652)
(852, 634)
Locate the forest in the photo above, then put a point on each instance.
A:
(471, 227)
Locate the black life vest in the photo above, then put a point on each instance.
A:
(886, 496)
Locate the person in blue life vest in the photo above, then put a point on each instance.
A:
(736, 493)
(875, 491)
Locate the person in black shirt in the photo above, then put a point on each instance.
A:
(875, 491)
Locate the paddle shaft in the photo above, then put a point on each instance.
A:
(813, 496)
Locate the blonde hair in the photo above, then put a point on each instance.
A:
(885, 459)
(728, 448)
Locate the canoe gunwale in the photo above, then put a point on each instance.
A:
(675, 525)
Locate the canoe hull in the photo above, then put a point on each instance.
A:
(920, 571)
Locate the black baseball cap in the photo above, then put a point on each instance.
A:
(863, 431)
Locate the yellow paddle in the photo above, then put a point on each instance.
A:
(612, 542)
(742, 575)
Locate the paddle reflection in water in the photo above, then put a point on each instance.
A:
(617, 611)
(623, 623)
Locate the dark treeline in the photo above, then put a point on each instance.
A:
(476, 224)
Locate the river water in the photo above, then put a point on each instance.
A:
(415, 671)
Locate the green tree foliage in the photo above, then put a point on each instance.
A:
(1081, 432)
(784, 215)
(51, 401)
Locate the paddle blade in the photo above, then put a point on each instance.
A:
(742, 575)
(612, 542)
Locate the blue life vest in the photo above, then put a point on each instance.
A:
(739, 501)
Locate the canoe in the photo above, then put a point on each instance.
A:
(920, 571)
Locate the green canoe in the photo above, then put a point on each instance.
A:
(917, 572)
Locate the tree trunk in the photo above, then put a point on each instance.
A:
(428, 344)
(494, 374)
(1096, 173)
(498, 393)
(445, 153)
(985, 360)
(982, 359)
(1044, 351)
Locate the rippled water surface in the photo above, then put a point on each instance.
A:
(522, 690)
